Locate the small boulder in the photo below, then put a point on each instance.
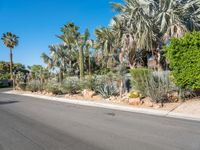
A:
(147, 102)
(173, 96)
(88, 93)
(157, 106)
(134, 101)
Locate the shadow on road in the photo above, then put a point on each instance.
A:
(8, 102)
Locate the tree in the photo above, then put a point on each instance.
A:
(78, 43)
(10, 40)
(58, 59)
(106, 47)
(83, 44)
(151, 23)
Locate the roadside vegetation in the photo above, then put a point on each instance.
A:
(151, 49)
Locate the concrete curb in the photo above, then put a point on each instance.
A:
(113, 107)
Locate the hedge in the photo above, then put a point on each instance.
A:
(183, 55)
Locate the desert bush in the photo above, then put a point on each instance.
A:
(20, 81)
(159, 86)
(34, 86)
(52, 86)
(70, 86)
(21, 86)
(155, 85)
(183, 55)
(88, 83)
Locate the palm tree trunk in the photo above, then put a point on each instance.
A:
(61, 76)
(11, 64)
(81, 62)
(89, 65)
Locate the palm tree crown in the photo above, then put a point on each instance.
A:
(10, 40)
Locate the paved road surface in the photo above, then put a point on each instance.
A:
(33, 124)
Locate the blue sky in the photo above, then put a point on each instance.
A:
(37, 22)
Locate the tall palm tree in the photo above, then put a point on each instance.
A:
(88, 46)
(10, 40)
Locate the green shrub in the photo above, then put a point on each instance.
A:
(34, 86)
(141, 76)
(70, 86)
(184, 57)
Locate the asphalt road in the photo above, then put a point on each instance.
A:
(33, 124)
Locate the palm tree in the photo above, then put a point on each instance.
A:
(58, 59)
(10, 40)
(88, 46)
(174, 18)
(150, 22)
(106, 46)
(76, 42)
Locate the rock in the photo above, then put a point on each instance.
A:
(50, 94)
(134, 101)
(157, 106)
(173, 96)
(147, 102)
(107, 99)
(97, 97)
(67, 96)
(125, 98)
(113, 98)
(88, 93)
(44, 92)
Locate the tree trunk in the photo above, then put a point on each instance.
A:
(11, 64)
(81, 62)
(61, 76)
(121, 88)
(89, 64)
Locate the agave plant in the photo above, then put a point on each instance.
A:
(107, 90)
